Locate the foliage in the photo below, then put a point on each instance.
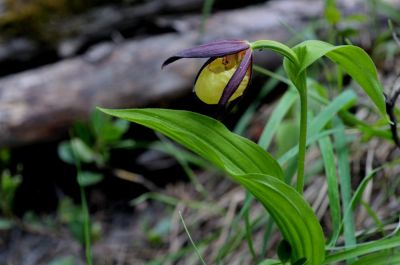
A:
(91, 144)
(73, 217)
(312, 112)
(247, 164)
(260, 173)
(8, 185)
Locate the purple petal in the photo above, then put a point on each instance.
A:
(236, 78)
(213, 49)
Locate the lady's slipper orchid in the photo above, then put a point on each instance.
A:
(224, 76)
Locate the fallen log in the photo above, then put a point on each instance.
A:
(64, 36)
(40, 104)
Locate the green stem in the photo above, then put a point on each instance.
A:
(249, 230)
(302, 88)
(300, 82)
(86, 227)
(207, 8)
(85, 210)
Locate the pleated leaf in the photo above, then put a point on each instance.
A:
(246, 163)
(354, 60)
(207, 137)
(291, 213)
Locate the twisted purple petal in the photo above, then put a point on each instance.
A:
(236, 78)
(213, 49)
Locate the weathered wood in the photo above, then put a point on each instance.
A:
(39, 104)
(102, 23)
(68, 35)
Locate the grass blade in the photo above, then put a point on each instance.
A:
(191, 240)
(345, 181)
(380, 258)
(276, 118)
(321, 120)
(363, 249)
(333, 186)
(330, 111)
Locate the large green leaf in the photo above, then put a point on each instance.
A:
(246, 163)
(291, 213)
(207, 137)
(354, 60)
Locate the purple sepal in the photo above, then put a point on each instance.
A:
(236, 78)
(213, 49)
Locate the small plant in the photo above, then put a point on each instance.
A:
(222, 79)
(8, 186)
(90, 144)
(74, 217)
(93, 142)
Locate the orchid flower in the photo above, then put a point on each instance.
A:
(225, 75)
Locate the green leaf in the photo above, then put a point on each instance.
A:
(332, 15)
(333, 186)
(68, 151)
(287, 136)
(351, 120)
(8, 186)
(310, 139)
(6, 224)
(246, 163)
(270, 262)
(321, 120)
(107, 130)
(357, 195)
(363, 249)
(354, 60)
(337, 104)
(65, 152)
(380, 258)
(206, 11)
(207, 137)
(302, 261)
(388, 10)
(292, 214)
(343, 160)
(276, 118)
(68, 260)
(87, 178)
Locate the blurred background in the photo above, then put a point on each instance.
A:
(69, 173)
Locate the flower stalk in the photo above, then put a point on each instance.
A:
(302, 88)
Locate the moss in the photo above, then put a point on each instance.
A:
(30, 18)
